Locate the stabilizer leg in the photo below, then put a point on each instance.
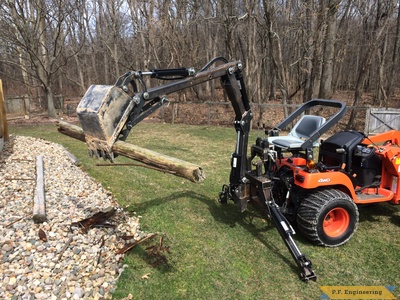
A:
(286, 231)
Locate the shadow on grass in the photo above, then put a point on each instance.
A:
(159, 260)
(372, 212)
(229, 215)
(395, 219)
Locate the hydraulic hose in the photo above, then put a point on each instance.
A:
(215, 59)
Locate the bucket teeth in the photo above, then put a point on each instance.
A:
(99, 149)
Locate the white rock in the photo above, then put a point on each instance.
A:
(71, 195)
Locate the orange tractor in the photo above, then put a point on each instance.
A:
(280, 176)
(353, 169)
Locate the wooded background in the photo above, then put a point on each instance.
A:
(292, 50)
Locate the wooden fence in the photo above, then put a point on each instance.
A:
(382, 119)
(196, 113)
(26, 105)
(266, 115)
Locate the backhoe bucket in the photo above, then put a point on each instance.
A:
(103, 112)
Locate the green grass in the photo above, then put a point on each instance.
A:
(216, 252)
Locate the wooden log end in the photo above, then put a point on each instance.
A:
(199, 175)
(71, 130)
(39, 210)
(39, 218)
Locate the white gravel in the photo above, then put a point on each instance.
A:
(31, 268)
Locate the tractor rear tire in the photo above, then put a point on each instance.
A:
(327, 217)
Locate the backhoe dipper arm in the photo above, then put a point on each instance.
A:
(108, 113)
(148, 100)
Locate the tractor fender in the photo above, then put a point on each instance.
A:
(340, 179)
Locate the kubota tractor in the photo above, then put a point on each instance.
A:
(282, 176)
(322, 194)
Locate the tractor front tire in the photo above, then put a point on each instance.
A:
(327, 217)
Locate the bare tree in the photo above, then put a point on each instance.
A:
(292, 50)
(382, 20)
(395, 57)
(309, 49)
(35, 29)
(275, 47)
(330, 17)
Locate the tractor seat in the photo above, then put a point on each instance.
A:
(303, 129)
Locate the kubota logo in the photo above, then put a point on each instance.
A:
(324, 180)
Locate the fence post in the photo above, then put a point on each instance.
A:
(28, 103)
(162, 114)
(367, 120)
(3, 117)
(24, 105)
(209, 114)
(62, 102)
(173, 113)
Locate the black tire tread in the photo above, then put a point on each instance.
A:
(310, 210)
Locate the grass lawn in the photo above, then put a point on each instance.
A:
(217, 252)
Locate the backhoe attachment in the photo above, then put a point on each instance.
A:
(107, 113)
(254, 186)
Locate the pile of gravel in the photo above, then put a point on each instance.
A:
(67, 263)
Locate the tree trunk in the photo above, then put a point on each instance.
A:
(80, 80)
(379, 32)
(395, 57)
(308, 92)
(3, 118)
(148, 157)
(272, 83)
(50, 102)
(317, 52)
(325, 89)
(380, 93)
(44, 67)
(276, 56)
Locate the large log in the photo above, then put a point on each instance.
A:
(163, 162)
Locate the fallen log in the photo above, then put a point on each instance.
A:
(39, 205)
(73, 159)
(71, 130)
(165, 163)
